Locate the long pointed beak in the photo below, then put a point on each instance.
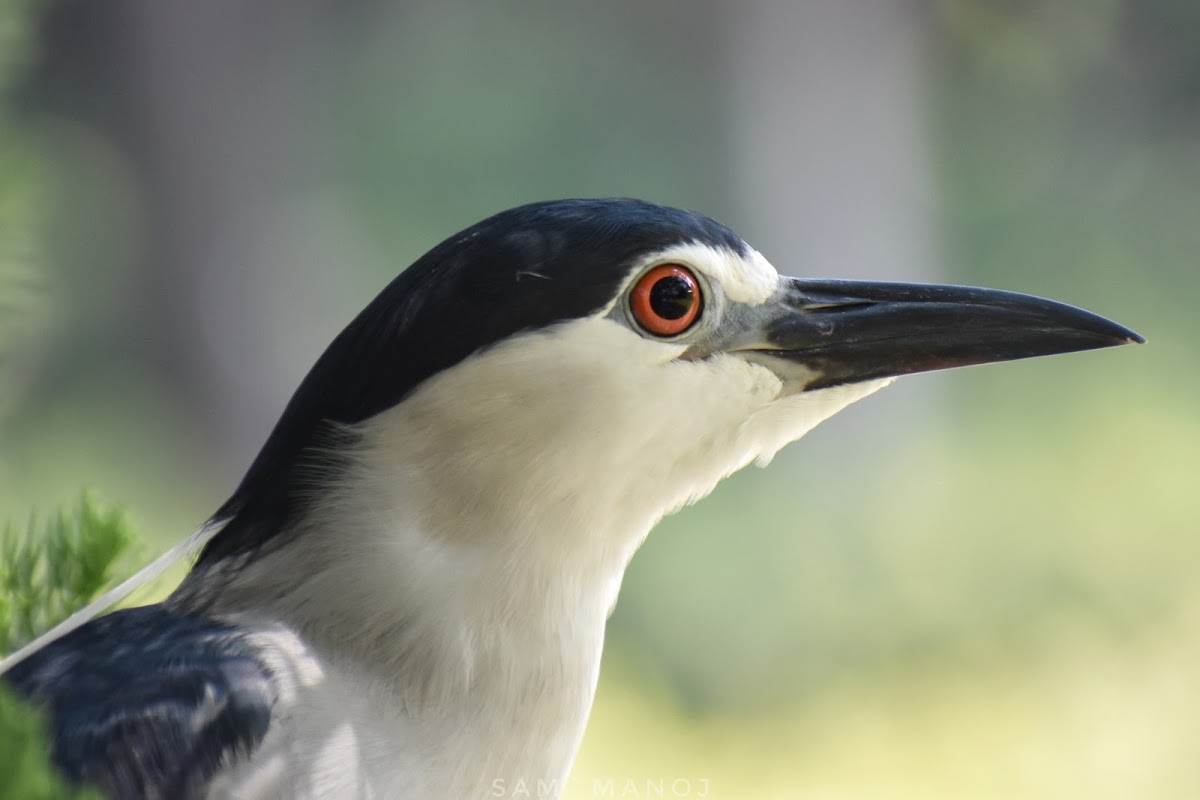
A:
(851, 331)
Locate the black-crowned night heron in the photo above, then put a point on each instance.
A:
(406, 596)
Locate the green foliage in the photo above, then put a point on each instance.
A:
(47, 571)
(52, 568)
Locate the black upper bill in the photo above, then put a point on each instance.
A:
(851, 331)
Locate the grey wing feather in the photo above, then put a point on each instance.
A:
(148, 702)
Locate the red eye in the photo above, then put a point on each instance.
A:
(666, 300)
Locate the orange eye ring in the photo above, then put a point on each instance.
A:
(666, 301)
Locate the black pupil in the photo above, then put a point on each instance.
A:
(671, 297)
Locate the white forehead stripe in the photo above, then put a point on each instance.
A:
(746, 279)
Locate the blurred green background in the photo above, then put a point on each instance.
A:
(974, 585)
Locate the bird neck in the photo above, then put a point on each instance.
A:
(399, 572)
(487, 646)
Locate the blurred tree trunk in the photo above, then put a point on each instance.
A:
(208, 110)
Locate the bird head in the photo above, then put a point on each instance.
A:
(572, 370)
